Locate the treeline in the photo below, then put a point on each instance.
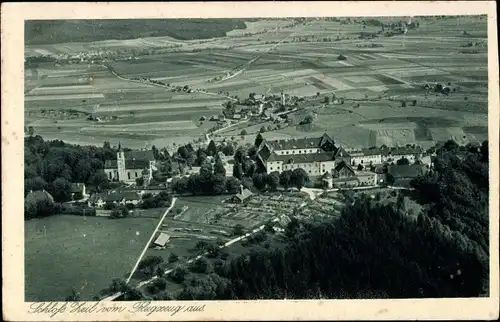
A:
(54, 165)
(58, 31)
(457, 191)
(375, 249)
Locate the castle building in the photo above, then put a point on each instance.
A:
(131, 165)
(314, 155)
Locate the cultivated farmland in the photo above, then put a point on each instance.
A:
(381, 80)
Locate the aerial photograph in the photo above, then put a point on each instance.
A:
(256, 158)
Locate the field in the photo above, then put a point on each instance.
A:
(378, 74)
(71, 252)
(211, 220)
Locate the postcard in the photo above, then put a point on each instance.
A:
(250, 161)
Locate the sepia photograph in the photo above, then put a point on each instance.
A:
(287, 158)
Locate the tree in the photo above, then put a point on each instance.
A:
(238, 230)
(262, 130)
(61, 190)
(414, 102)
(285, 179)
(219, 167)
(240, 155)
(258, 139)
(341, 57)
(139, 181)
(212, 148)
(31, 131)
(259, 180)
(232, 185)
(299, 178)
(243, 133)
(178, 275)
(206, 169)
(360, 167)
(201, 265)
(326, 100)
(237, 170)
(403, 161)
(228, 150)
(273, 180)
(150, 264)
(99, 180)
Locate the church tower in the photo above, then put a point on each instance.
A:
(120, 163)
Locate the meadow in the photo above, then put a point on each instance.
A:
(65, 252)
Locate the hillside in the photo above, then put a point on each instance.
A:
(38, 32)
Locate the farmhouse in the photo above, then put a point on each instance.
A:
(130, 165)
(243, 195)
(401, 175)
(162, 240)
(78, 191)
(315, 155)
(98, 200)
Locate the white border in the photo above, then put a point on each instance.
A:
(13, 16)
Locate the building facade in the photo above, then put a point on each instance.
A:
(376, 156)
(130, 166)
(316, 156)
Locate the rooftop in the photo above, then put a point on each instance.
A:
(162, 239)
(385, 151)
(301, 143)
(139, 155)
(244, 194)
(136, 164)
(77, 187)
(302, 158)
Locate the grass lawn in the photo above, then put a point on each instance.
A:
(84, 254)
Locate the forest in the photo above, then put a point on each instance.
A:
(54, 165)
(374, 249)
(41, 32)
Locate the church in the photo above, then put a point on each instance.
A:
(130, 166)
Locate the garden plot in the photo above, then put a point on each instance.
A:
(395, 137)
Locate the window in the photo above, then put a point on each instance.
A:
(110, 175)
(128, 175)
(286, 152)
(136, 174)
(271, 168)
(300, 151)
(278, 168)
(309, 171)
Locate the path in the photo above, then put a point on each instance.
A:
(151, 239)
(170, 270)
(164, 86)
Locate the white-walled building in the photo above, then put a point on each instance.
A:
(315, 155)
(131, 165)
(376, 156)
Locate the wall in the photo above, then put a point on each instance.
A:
(311, 168)
(366, 159)
(112, 174)
(298, 151)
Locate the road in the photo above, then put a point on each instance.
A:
(168, 271)
(151, 239)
